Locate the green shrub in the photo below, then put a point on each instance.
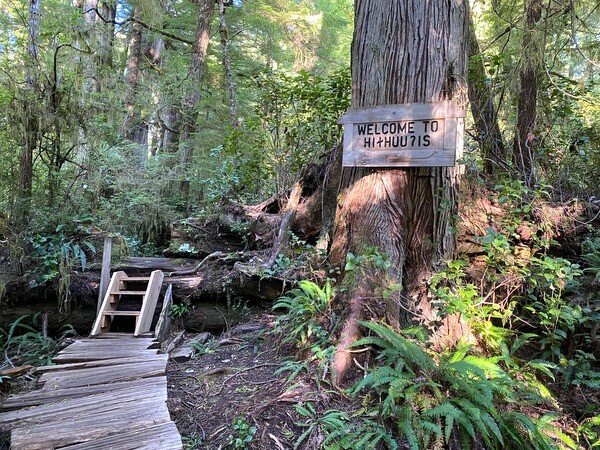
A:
(242, 434)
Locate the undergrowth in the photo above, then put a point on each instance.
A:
(535, 326)
(23, 342)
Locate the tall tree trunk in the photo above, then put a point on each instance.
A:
(402, 52)
(91, 79)
(95, 58)
(483, 109)
(169, 125)
(189, 113)
(28, 127)
(227, 64)
(108, 11)
(31, 119)
(134, 128)
(523, 151)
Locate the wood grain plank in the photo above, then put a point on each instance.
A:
(163, 436)
(115, 397)
(131, 342)
(76, 429)
(102, 375)
(40, 397)
(96, 363)
(92, 404)
(114, 283)
(90, 355)
(149, 303)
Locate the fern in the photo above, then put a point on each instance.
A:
(436, 398)
(308, 307)
(395, 346)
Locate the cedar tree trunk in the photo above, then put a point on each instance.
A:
(402, 52)
(134, 128)
(206, 9)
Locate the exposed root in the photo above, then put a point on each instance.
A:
(199, 265)
(351, 332)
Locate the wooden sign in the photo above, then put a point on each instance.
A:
(408, 135)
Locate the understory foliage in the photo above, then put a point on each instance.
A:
(309, 319)
(23, 342)
(435, 399)
(291, 125)
(535, 315)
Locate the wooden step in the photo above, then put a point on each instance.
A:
(118, 290)
(128, 293)
(121, 313)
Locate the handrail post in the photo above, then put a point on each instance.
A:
(105, 272)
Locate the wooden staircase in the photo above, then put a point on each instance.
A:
(129, 297)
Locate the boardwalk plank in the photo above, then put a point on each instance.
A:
(164, 437)
(100, 343)
(108, 394)
(95, 363)
(40, 397)
(102, 375)
(128, 417)
(93, 404)
(88, 355)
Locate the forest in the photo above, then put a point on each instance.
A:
(453, 307)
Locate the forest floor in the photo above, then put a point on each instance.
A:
(234, 389)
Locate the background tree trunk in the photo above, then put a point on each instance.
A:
(106, 37)
(227, 64)
(192, 97)
(402, 52)
(30, 119)
(523, 151)
(483, 109)
(134, 128)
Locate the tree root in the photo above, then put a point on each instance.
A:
(351, 332)
(198, 266)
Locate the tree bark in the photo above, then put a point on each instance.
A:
(402, 52)
(108, 11)
(134, 128)
(90, 68)
(30, 130)
(523, 151)
(192, 96)
(483, 109)
(227, 64)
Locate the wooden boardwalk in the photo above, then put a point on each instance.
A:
(105, 393)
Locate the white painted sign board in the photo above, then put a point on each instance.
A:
(407, 135)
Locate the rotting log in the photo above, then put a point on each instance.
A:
(212, 285)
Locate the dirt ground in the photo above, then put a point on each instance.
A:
(232, 388)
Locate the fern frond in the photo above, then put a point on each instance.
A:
(433, 428)
(449, 413)
(397, 345)
(406, 428)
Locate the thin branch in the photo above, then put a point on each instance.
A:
(200, 264)
(163, 32)
(574, 35)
